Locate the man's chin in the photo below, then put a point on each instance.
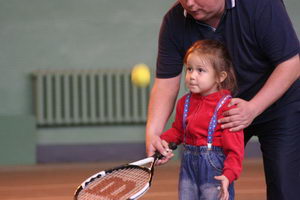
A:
(203, 17)
(198, 16)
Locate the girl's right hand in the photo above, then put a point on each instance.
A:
(167, 153)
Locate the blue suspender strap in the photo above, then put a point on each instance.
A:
(185, 113)
(213, 121)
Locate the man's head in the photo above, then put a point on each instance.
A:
(208, 11)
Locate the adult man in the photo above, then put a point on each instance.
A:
(265, 52)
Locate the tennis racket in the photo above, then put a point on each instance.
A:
(126, 182)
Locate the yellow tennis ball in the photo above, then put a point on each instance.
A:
(140, 75)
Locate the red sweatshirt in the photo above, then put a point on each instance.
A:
(200, 112)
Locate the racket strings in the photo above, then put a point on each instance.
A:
(117, 185)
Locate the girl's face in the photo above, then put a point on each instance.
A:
(200, 75)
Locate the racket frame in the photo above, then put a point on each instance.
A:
(137, 164)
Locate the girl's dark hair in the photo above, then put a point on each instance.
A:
(216, 53)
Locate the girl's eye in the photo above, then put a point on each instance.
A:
(200, 70)
(189, 69)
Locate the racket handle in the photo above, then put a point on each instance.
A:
(158, 155)
(172, 145)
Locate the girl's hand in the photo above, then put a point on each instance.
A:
(167, 153)
(224, 195)
(239, 117)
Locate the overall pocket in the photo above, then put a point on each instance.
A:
(216, 160)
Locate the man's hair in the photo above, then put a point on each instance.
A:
(217, 55)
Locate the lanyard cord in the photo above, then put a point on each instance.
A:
(213, 121)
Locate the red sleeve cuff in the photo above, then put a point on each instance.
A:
(171, 136)
(164, 137)
(230, 175)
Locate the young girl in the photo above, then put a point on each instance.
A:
(212, 157)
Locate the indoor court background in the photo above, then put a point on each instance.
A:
(43, 162)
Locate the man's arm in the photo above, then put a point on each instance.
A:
(162, 101)
(278, 83)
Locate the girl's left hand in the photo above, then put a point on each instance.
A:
(224, 195)
(239, 117)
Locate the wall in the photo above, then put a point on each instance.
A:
(42, 34)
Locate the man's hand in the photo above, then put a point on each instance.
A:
(281, 79)
(239, 117)
(224, 195)
(161, 104)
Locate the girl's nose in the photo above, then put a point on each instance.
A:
(192, 75)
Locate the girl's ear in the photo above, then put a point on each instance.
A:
(223, 76)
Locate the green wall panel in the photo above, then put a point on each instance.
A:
(91, 135)
(17, 140)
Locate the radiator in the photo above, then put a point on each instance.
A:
(87, 97)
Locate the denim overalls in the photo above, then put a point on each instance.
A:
(200, 164)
